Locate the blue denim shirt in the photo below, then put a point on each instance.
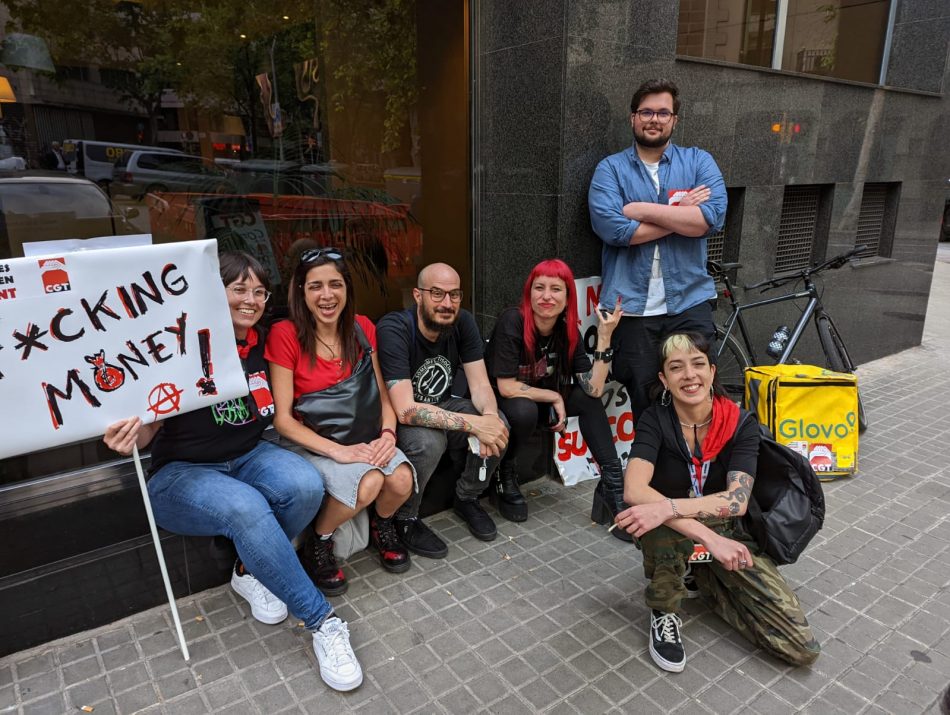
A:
(622, 178)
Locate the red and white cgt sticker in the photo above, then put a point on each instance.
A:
(55, 277)
(260, 390)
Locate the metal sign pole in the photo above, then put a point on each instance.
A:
(159, 553)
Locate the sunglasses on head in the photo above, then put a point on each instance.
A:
(313, 254)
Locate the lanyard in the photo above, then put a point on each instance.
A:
(697, 475)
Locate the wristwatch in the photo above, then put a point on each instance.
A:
(605, 356)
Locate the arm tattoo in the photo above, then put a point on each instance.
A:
(391, 383)
(583, 379)
(740, 487)
(426, 416)
(525, 387)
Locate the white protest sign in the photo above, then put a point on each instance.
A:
(91, 337)
(574, 461)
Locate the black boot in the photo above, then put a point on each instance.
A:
(506, 494)
(608, 498)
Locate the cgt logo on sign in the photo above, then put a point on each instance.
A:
(55, 277)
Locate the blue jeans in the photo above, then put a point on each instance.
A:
(260, 501)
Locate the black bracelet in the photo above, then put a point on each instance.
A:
(605, 356)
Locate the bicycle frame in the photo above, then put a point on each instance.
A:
(808, 292)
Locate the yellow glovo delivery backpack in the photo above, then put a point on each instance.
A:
(812, 410)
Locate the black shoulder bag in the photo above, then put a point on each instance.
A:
(349, 412)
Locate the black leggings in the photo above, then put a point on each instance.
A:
(525, 416)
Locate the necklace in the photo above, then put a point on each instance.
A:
(697, 425)
(330, 348)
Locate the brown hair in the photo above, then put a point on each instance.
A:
(656, 86)
(238, 265)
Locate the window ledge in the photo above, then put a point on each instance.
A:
(871, 261)
(804, 75)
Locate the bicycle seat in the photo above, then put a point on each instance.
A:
(730, 266)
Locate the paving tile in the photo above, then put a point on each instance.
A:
(54, 704)
(89, 692)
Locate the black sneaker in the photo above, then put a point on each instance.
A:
(479, 523)
(666, 646)
(689, 580)
(420, 539)
(392, 554)
(320, 564)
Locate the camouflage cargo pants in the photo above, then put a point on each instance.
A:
(756, 601)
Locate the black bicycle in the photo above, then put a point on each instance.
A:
(733, 357)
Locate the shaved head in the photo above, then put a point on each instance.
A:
(436, 317)
(441, 273)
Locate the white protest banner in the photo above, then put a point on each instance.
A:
(91, 337)
(571, 455)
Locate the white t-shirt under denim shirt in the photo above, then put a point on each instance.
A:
(656, 293)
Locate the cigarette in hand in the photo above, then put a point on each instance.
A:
(612, 527)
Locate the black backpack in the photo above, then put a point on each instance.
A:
(787, 507)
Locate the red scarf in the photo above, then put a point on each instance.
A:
(244, 347)
(725, 419)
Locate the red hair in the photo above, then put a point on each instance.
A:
(551, 268)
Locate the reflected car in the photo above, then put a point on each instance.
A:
(289, 178)
(147, 172)
(45, 206)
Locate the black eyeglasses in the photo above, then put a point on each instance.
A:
(438, 295)
(313, 254)
(646, 115)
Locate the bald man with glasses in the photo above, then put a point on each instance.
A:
(420, 350)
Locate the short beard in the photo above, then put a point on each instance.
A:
(442, 329)
(651, 143)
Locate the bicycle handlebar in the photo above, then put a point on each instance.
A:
(833, 263)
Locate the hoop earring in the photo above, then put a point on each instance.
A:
(666, 398)
(712, 393)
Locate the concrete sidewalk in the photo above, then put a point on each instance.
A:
(550, 616)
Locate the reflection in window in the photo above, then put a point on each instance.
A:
(833, 38)
(739, 31)
(836, 38)
(297, 124)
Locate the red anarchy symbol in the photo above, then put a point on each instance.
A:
(164, 399)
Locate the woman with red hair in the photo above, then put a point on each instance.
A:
(542, 375)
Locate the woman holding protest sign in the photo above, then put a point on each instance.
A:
(331, 399)
(213, 474)
(542, 375)
(690, 476)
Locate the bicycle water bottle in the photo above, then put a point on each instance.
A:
(778, 342)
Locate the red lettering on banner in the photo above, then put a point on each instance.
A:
(570, 444)
(593, 299)
(625, 429)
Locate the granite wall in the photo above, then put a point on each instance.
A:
(553, 82)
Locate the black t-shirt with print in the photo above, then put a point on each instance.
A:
(505, 356)
(405, 354)
(223, 431)
(659, 440)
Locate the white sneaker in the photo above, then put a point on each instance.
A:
(338, 665)
(265, 606)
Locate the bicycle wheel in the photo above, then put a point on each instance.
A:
(838, 359)
(731, 365)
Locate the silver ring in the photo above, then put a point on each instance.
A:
(743, 563)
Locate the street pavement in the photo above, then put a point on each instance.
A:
(550, 616)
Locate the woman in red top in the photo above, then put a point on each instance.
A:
(318, 347)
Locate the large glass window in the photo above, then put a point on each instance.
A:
(272, 127)
(832, 38)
